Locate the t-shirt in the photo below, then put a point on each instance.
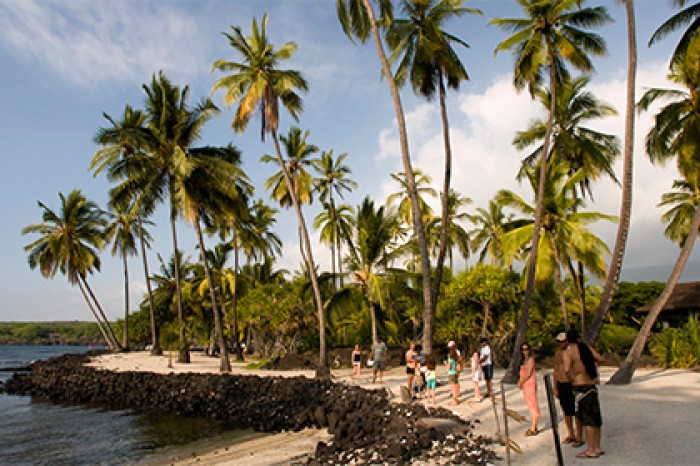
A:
(431, 375)
(379, 349)
(485, 351)
(452, 369)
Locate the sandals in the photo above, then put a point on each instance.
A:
(577, 443)
(587, 455)
(569, 440)
(531, 432)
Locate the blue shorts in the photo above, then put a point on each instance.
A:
(488, 371)
(431, 384)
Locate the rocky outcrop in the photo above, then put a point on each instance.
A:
(365, 425)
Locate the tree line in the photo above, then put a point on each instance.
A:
(389, 270)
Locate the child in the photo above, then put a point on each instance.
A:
(356, 362)
(431, 380)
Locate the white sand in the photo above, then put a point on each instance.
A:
(647, 423)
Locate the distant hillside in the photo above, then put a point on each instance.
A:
(660, 273)
(50, 333)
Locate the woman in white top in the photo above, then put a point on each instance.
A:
(476, 374)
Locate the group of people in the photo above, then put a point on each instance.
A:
(421, 370)
(575, 385)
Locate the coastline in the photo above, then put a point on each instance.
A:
(647, 423)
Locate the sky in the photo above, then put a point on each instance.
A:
(66, 62)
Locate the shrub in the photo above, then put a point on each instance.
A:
(616, 338)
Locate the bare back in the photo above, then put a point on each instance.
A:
(574, 368)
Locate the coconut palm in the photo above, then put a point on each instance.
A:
(257, 82)
(358, 20)
(455, 234)
(120, 143)
(674, 135)
(403, 200)
(69, 243)
(627, 173)
(691, 15)
(332, 180)
(683, 201)
(491, 224)
(122, 232)
(371, 250)
(333, 224)
(429, 61)
(574, 144)
(550, 34)
(173, 127)
(564, 237)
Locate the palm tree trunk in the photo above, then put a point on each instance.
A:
(418, 228)
(322, 370)
(155, 340)
(183, 352)
(560, 283)
(626, 204)
(623, 376)
(97, 319)
(373, 319)
(334, 234)
(445, 194)
(125, 336)
(581, 284)
(225, 364)
(487, 318)
(110, 333)
(511, 375)
(234, 302)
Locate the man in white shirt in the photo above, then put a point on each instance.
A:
(486, 365)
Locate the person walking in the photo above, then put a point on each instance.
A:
(581, 367)
(377, 355)
(431, 380)
(454, 360)
(356, 358)
(528, 384)
(476, 373)
(486, 365)
(564, 392)
(410, 357)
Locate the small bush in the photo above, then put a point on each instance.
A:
(616, 338)
(678, 347)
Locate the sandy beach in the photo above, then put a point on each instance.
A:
(649, 422)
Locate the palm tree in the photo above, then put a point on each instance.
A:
(564, 237)
(372, 249)
(211, 193)
(428, 59)
(627, 173)
(577, 146)
(257, 82)
(122, 232)
(491, 224)
(683, 201)
(550, 35)
(172, 127)
(332, 179)
(358, 20)
(674, 135)
(688, 15)
(405, 202)
(69, 243)
(333, 224)
(455, 234)
(121, 141)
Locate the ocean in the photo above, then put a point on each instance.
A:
(39, 433)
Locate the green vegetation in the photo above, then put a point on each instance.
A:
(50, 333)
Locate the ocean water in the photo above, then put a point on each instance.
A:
(39, 433)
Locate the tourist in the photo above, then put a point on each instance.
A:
(580, 366)
(356, 359)
(377, 355)
(486, 365)
(528, 384)
(431, 380)
(476, 373)
(454, 360)
(411, 365)
(564, 391)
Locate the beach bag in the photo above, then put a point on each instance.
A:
(370, 362)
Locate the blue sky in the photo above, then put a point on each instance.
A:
(66, 62)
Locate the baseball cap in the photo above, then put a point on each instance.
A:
(451, 344)
(561, 337)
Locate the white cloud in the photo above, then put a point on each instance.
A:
(91, 43)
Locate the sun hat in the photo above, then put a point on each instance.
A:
(561, 337)
(451, 344)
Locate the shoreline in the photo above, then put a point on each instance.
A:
(646, 423)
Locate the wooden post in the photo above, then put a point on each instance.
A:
(505, 423)
(553, 417)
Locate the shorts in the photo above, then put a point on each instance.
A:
(410, 371)
(431, 384)
(488, 371)
(588, 406)
(453, 378)
(357, 363)
(379, 365)
(566, 398)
